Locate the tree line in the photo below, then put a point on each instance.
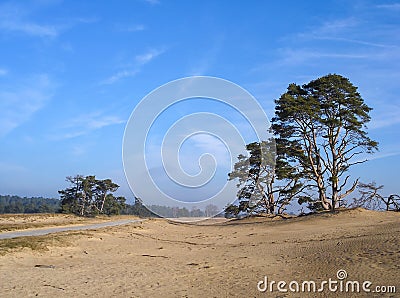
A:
(319, 132)
(88, 196)
(16, 204)
(111, 206)
(175, 212)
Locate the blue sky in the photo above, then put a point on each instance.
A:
(71, 72)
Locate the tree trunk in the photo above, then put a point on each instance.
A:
(83, 204)
(335, 195)
(325, 203)
(102, 203)
(271, 198)
(322, 195)
(334, 174)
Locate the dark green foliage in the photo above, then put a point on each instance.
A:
(16, 204)
(88, 196)
(232, 211)
(321, 128)
(255, 174)
(312, 204)
(266, 184)
(114, 205)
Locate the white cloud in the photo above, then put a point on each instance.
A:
(346, 39)
(393, 6)
(135, 68)
(348, 30)
(360, 42)
(103, 121)
(152, 2)
(85, 20)
(148, 56)
(333, 27)
(13, 18)
(120, 75)
(132, 28)
(386, 115)
(19, 103)
(87, 123)
(298, 56)
(29, 28)
(383, 155)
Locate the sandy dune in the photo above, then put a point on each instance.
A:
(157, 258)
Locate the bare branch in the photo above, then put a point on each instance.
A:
(349, 191)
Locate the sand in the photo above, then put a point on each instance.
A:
(159, 258)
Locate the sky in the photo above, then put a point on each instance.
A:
(72, 72)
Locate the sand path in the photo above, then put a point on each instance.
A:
(45, 231)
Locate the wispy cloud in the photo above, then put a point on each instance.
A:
(3, 71)
(20, 102)
(299, 56)
(152, 2)
(341, 30)
(385, 116)
(87, 123)
(340, 39)
(134, 68)
(148, 56)
(14, 18)
(120, 75)
(29, 28)
(383, 155)
(333, 27)
(392, 6)
(356, 41)
(131, 28)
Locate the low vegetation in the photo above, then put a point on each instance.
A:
(40, 243)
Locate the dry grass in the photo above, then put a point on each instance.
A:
(39, 243)
(14, 222)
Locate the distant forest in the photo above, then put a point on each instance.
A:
(16, 204)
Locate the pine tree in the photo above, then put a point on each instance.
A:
(321, 127)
